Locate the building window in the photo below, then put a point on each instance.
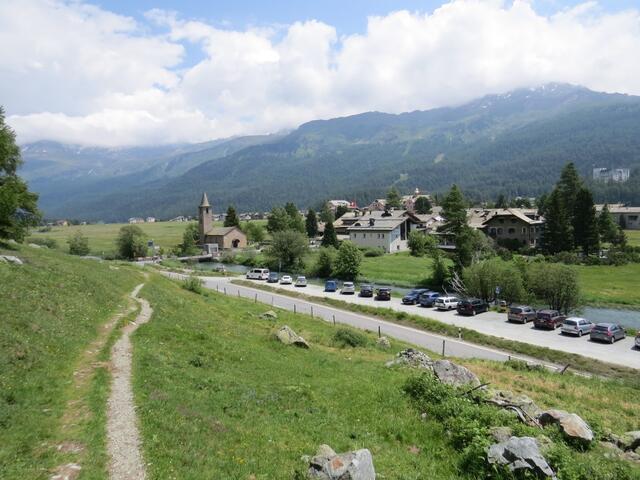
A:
(513, 220)
(364, 235)
(501, 220)
(499, 231)
(512, 230)
(524, 230)
(633, 218)
(383, 235)
(355, 235)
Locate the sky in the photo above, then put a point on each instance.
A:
(148, 72)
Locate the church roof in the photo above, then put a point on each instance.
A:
(205, 200)
(221, 231)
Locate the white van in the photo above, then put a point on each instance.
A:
(258, 274)
(446, 303)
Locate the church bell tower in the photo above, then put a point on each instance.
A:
(205, 218)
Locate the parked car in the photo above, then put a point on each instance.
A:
(273, 277)
(638, 340)
(330, 286)
(607, 332)
(286, 280)
(348, 288)
(428, 298)
(549, 319)
(301, 281)
(258, 274)
(413, 296)
(366, 290)
(472, 306)
(383, 293)
(446, 303)
(576, 326)
(521, 314)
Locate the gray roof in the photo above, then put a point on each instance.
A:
(221, 231)
(205, 201)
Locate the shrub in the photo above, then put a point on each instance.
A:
(193, 284)
(325, 263)
(345, 337)
(228, 257)
(45, 242)
(347, 264)
(78, 244)
(131, 242)
(373, 252)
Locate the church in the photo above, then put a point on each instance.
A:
(214, 239)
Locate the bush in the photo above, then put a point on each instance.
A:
(373, 252)
(131, 242)
(345, 337)
(325, 263)
(193, 284)
(228, 257)
(568, 258)
(45, 242)
(78, 244)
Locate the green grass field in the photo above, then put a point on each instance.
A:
(102, 237)
(399, 269)
(611, 285)
(52, 308)
(633, 237)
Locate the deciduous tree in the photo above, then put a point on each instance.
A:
(348, 260)
(131, 242)
(288, 248)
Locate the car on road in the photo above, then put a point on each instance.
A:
(446, 303)
(607, 332)
(330, 286)
(428, 298)
(576, 326)
(366, 290)
(472, 306)
(301, 281)
(383, 293)
(413, 296)
(348, 288)
(286, 280)
(549, 319)
(273, 278)
(521, 314)
(258, 274)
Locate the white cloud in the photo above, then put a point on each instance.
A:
(80, 74)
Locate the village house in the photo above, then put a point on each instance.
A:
(627, 217)
(388, 230)
(150, 220)
(134, 220)
(334, 204)
(508, 226)
(213, 239)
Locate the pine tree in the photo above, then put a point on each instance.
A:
(278, 220)
(422, 206)
(454, 209)
(393, 198)
(607, 226)
(558, 234)
(231, 220)
(296, 222)
(585, 223)
(311, 223)
(501, 202)
(326, 215)
(329, 239)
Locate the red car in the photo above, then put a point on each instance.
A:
(549, 319)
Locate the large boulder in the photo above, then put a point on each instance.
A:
(269, 315)
(383, 342)
(327, 465)
(629, 440)
(454, 374)
(525, 408)
(10, 259)
(519, 454)
(573, 427)
(412, 358)
(287, 336)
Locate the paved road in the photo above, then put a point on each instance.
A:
(430, 341)
(495, 324)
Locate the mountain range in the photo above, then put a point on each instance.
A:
(514, 143)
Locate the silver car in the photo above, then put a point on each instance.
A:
(446, 303)
(301, 281)
(576, 326)
(348, 288)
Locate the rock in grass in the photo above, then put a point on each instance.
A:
(629, 440)
(509, 400)
(35, 245)
(454, 374)
(519, 454)
(10, 259)
(327, 465)
(287, 336)
(412, 358)
(501, 434)
(383, 342)
(269, 315)
(573, 427)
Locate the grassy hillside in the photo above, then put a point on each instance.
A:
(52, 308)
(221, 397)
(611, 285)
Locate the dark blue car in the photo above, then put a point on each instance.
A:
(412, 297)
(428, 298)
(331, 286)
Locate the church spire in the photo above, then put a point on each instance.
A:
(205, 200)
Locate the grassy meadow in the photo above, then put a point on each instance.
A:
(52, 308)
(633, 237)
(611, 285)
